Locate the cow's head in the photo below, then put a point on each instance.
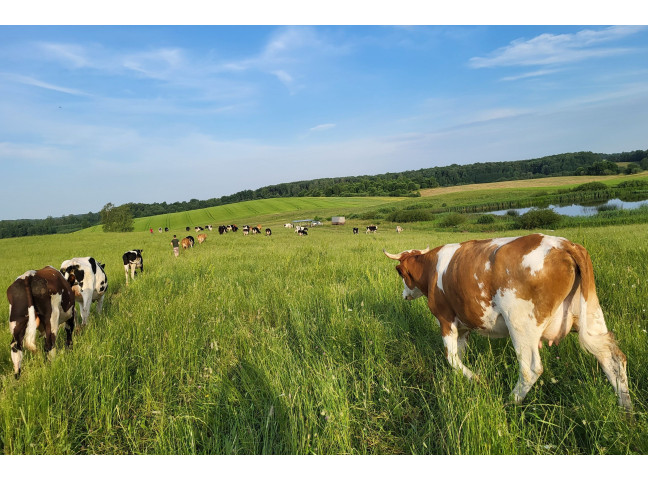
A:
(411, 271)
(74, 275)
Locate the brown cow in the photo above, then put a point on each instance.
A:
(186, 243)
(40, 300)
(202, 237)
(534, 288)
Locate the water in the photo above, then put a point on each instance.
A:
(575, 210)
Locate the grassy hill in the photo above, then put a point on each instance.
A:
(300, 345)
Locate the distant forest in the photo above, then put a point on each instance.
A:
(401, 184)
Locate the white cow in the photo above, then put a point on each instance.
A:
(89, 283)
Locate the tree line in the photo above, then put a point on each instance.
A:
(407, 183)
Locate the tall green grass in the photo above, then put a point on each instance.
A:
(300, 345)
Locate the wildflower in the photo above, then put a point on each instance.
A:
(584, 422)
(553, 380)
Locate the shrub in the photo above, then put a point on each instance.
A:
(537, 218)
(591, 186)
(486, 219)
(452, 220)
(513, 213)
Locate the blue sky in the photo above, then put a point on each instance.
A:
(98, 114)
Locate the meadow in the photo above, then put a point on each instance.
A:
(302, 345)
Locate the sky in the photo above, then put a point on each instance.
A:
(91, 115)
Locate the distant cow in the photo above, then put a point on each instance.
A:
(288, 225)
(268, 232)
(209, 227)
(372, 229)
(166, 229)
(187, 229)
(222, 229)
(187, 242)
(160, 230)
(246, 229)
(355, 230)
(233, 228)
(399, 229)
(255, 230)
(301, 231)
(89, 283)
(198, 229)
(201, 238)
(534, 288)
(39, 300)
(133, 260)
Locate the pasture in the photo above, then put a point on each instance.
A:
(300, 345)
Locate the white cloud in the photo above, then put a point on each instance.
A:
(324, 126)
(37, 83)
(548, 49)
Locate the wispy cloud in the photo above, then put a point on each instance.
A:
(549, 49)
(537, 73)
(322, 127)
(38, 83)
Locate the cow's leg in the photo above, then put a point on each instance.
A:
(69, 329)
(526, 344)
(601, 343)
(450, 336)
(49, 320)
(462, 340)
(85, 307)
(17, 327)
(126, 272)
(132, 269)
(100, 301)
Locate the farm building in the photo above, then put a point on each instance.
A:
(338, 220)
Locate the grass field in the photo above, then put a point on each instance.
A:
(299, 345)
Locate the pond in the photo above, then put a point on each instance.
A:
(575, 210)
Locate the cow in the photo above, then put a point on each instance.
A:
(39, 300)
(233, 228)
(255, 230)
(399, 229)
(355, 230)
(288, 225)
(160, 230)
(166, 229)
(202, 237)
(268, 232)
(301, 231)
(533, 288)
(222, 229)
(187, 242)
(133, 260)
(372, 229)
(246, 229)
(198, 229)
(89, 283)
(187, 229)
(210, 228)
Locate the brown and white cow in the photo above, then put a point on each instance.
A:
(187, 242)
(534, 288)
(39, 299)
(399, 229)
(201, 238)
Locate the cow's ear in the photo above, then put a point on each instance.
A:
(103, 265)
(402, 271)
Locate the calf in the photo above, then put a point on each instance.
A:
(89, 283)
(201, 238)
(372, 229)
(39, 299)
(133, 260)
(531, 288)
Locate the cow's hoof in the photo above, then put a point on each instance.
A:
(17, 375)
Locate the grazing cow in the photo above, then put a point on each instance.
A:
(355, 230)
(166, 229)
(187, 229)
(288, 225)
(133, 260)
(246, 229)
(198, 229)
(187, 242)
(89, 283)
(531, 288)
(41, 300)
(160, 230)
(268, 232)
(202, 237)
(372, 229)
(399, 229)
(255, 230)
(222, 229)
(209, 227)
(301, 231)
(233, 228)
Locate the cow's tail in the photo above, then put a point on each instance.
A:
(30, 331)
(589, 306)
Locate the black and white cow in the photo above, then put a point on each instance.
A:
(222, 229)
(268, 232)
(160, 230)
(301, 231)
(166, 229)
(246, 229)
(288, 225)
(232, 227)
(255, 230)
(39, 300)
(198, 229)
(372, 229)
(133, 260)
(355, 230)
(89, 283)
(187, 229)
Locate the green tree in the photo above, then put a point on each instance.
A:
(117, 219)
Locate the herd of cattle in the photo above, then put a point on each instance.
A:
(533, 288)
